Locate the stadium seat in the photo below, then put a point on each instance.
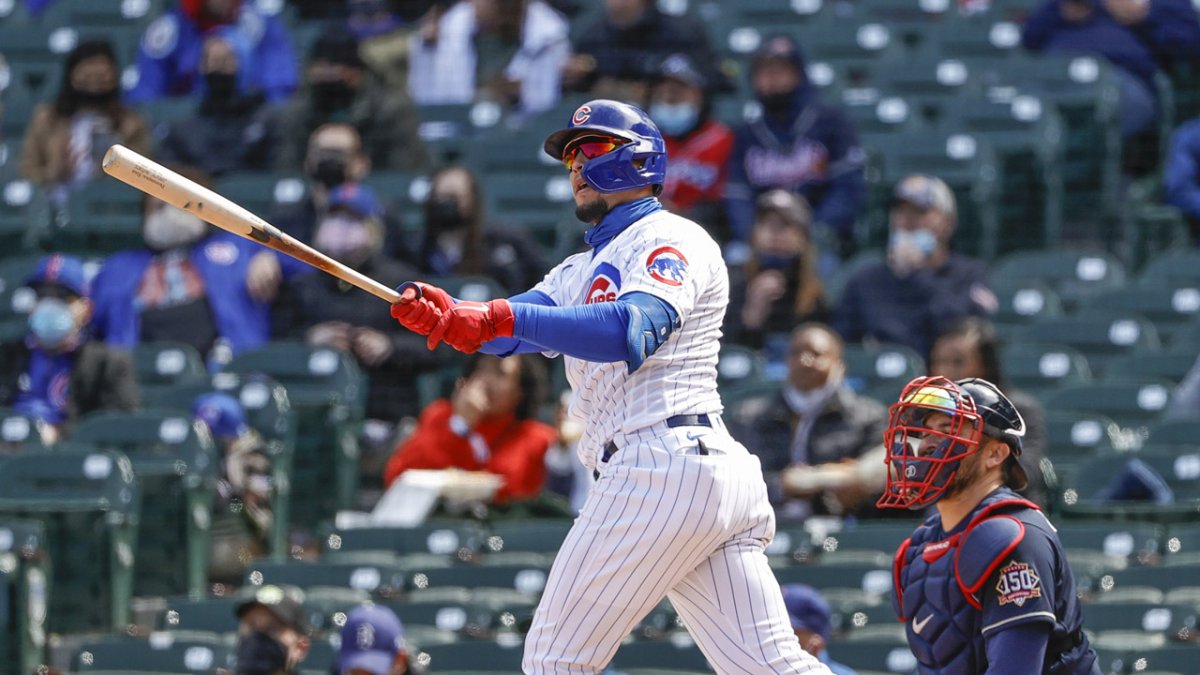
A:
(17, 299)
(524, 579)
(869, 623)
(866, 541)
(89, 502)
(1171, 621)
(974, 38)
(175, 460)
(159, 364)
(261, 191)
(1165, 660)
(476, 288)
(1175, 432)
(843, 585)
(465, 619)
(1109, 546)
(1098, 337)
(1171, 366)
(1136, 403)
(1074, 437)
(24, 586)
(1179, 268)
(449, 539)
(1082, 492)
(876, 656)
(1182, 545)
(532, 536)
(738, 364)
(208, 614)
(876, 111)
(1024, 302)
(103, 216)
(327, 390)
(1039, 368)
(1074, 275)
(377, 579)
(481, 656)
(1164, 584)
(24, 215)
(159, 653)
(20, 431)
(1167, 306)
(890, 364)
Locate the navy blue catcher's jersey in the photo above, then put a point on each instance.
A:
(1002, 566)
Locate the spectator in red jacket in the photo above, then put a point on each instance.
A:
(697, 144)
(488, 424)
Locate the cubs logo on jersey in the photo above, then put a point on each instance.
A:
(606, 283)
(667, 265)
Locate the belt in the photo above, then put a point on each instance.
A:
(701, 420)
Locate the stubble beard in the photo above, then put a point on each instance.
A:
(591, 212)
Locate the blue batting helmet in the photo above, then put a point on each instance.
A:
(640, 162)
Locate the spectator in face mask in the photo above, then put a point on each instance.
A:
(227, 132)
(340, 88)
(242, 513)
(323, 310)
(798, 143)
(273, 634)
(458, 240)
(698, 145)
(778, 286)
(58, 373)
(922, 287)
(815, 420)
(191, 283)
(66, 139)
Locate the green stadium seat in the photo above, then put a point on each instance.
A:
(481, 657)
(1039, 368)
(1169, 366)
(664, 656)
(1098, 337)
(1166, 306)
(875, 656)
(866, 541)
(449, 539)
(175, 460)
(89, 502)
(1073, 274)
(1152, 618)
(1179, 268)
(159, 652)
(1073, 437)
(843, 584)
(1180, 471)
(849, 42)
(19, 431)
(208, 614)
(881, 112)
(1182, 545)
(103, 216)
(1109, 546)
(24, 586)
(261, 191)
(377, 579)
(1129, 403)
(527, 536)
(739, 364)
(974, 38)
(167, 363)
(868, 623)
(871, 366)
(930, 83)
(526, 580)
(1166, 660)
(475, 288)
(1162, 584)
(25, 212)
(327, 390)
(1175, 432)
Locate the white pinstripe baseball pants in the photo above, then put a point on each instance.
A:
(665, 520)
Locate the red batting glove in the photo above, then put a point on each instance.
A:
(470, 324)
(420, 306)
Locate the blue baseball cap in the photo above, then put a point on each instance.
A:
(358, 198)
(223, 415)
(60, 270)
(371, 639)
(807, 609)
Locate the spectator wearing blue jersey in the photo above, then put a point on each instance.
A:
(1181, 177)
(798, 143)
(168, 61)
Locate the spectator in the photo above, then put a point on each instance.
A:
(323, 310)
(227, 132)
(1185, 401)
(58, 373)
(1181, 176)
(66, 139)
(814, 420)
(698, 145)
(459, 241)
(1130, 34)
(273, 634)
(489, 424)
(566, 476)
(812, 619)
(168, 61)
(372, 643)
(339, 88)
(209, 289)
(922, 288)
(798, 143)
(383, 39)
(242, 514)
(616, 56)
(970, 348)
(779, 286)
(508, 51)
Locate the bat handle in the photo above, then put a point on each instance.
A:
(409, 291)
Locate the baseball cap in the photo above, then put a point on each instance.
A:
(927, 192)
(358, 198)
(681, 67)
(60, 270)
(371, 638)
(284, 602)
(779, 48)
(222, 414)
(807, 609)
(791, 206)
(337, 47)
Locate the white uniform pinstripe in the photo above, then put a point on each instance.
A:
(663, 519)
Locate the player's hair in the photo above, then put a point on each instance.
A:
(474, 257)
(533, 381)
(982, 336)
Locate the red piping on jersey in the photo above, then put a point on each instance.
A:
(969, 592)
(897, 566)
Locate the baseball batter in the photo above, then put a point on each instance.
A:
(679, 508)
(983, 585)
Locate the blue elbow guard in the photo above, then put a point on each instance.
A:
(651, 322)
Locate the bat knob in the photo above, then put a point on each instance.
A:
(409, 291)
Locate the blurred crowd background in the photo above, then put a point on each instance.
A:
(194, 428)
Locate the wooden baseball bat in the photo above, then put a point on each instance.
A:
(158, 181)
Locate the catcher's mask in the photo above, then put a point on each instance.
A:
(931, 430)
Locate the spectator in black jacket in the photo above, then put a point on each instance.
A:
(922, 287)
(814, 421)
(798, 143)
(58, 373)
(323, 310)
(618, 55)
(227, 132)
(459, 240)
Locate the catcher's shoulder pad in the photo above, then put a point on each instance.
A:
(985, 545)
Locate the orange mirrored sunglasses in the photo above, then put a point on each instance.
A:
(591, 147)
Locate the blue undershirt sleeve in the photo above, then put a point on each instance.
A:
(512, 345)
(1017, 650)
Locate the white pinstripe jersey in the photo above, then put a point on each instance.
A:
(674, 259)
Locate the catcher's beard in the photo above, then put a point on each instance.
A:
(969, 471)
(591, 212)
